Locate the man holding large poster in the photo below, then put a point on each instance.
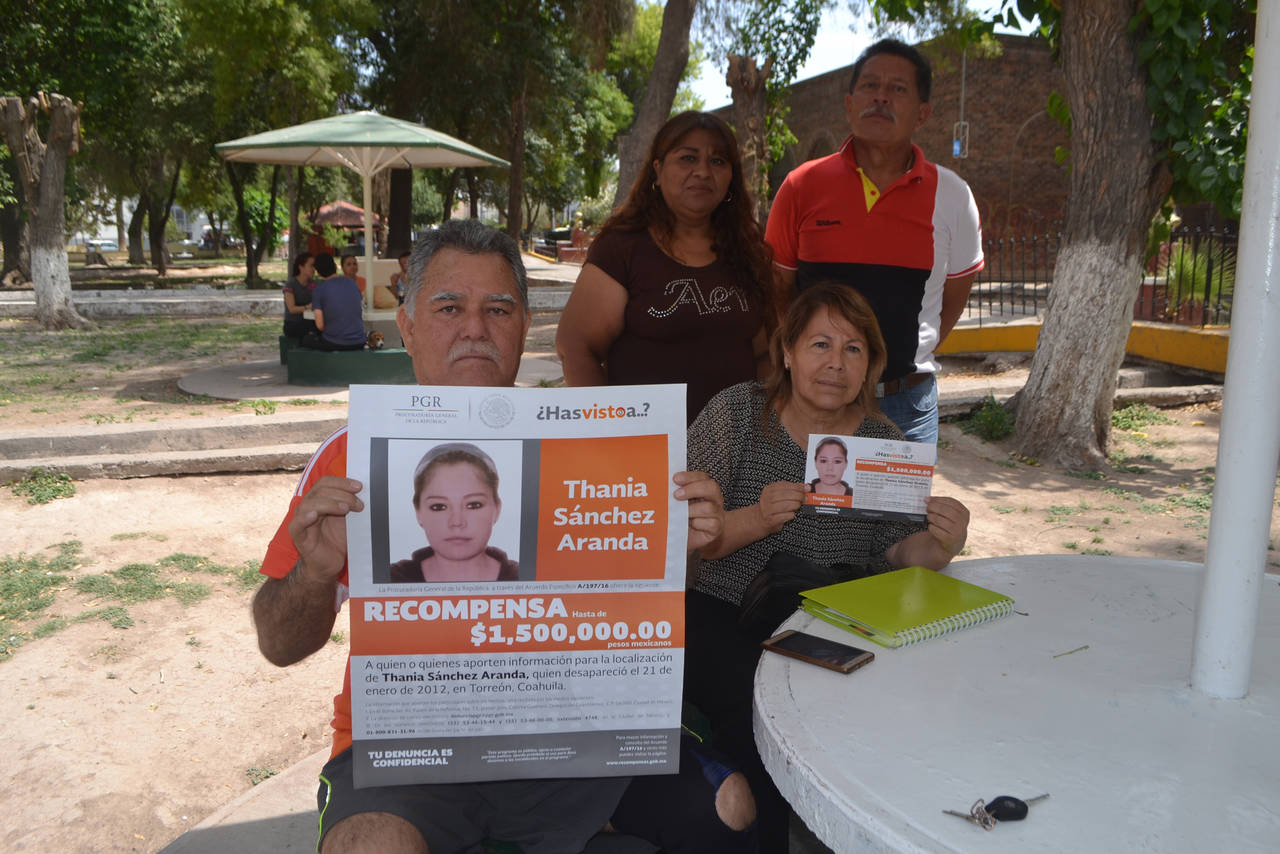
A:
(463, 323)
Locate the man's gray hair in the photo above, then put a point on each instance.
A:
(470, 236)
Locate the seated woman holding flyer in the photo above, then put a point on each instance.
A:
(751, 438)
(830, 459)
(455, 496)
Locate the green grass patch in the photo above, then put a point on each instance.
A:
(141, 535)
(1002, 508)
(248, 575)
(49, 627)
(259, 774)
(1121, 493)
(1128, 468)
(1086, 475)
(1102, 552)
(1138, 415)
(43, 486)
(990, 422)
(28, 584)
(141, 582)
(1196, 501)
(114, 615)
(39, 366)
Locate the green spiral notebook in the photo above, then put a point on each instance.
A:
(905, 606)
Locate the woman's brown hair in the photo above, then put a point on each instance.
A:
(737, 238)
(843, 302)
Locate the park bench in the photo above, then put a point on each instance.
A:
(345, 367)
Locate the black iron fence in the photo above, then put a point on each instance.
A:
(1015, 281)
(1190, 280)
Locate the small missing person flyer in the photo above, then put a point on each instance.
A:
(867, 478)
(517, 582)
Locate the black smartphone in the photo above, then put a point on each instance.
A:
(820, 651)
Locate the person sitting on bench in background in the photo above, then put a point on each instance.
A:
(337, 306)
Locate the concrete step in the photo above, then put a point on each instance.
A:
(958, 403)
(206, 301)
(195, 434)
(153, 463)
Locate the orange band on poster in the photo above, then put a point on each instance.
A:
(913, 469)
(602, 508)
(828, 500)
(442, 625)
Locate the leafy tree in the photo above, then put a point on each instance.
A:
(428, 204)
(266, 65)
(124, 60)
(538, 55)
(670, 64)
(763, 43)
(633, 62)
(1157, 108)
(1157, 93)
(42, 167)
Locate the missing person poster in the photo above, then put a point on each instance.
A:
(868, 478)
(517, 582)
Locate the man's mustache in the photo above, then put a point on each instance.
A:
(881, 111)
(466, 349)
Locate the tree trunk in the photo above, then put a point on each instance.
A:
(242, 220)
(120, 233)
(266, 237)
(293, 186)
(42, 169)
(1117, 184)
(515, 178)
(450, 193)
(659, 94)
(400, 214)
(11, 226)
(747, 81)
(136, 223)
(473, 194)
(158, 214)
(13, 229)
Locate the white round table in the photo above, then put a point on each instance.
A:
(1133, 758)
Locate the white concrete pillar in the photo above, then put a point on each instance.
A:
(1249, 441)
(367, 177)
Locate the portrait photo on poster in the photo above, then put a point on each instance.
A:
(827, 474)
(453, 511)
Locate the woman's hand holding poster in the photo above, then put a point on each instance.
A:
(517, 582)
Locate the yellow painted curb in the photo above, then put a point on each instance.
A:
(1190, 347)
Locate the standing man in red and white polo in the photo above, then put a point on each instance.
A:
(881, 218)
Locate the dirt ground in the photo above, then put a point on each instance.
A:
(123, 738)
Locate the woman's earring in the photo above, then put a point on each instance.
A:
(653, 185)
(727, 198)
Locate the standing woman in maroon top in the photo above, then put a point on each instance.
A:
(674, 287)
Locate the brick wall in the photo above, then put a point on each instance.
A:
(1010, 167)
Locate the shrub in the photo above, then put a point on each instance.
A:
(990, 421)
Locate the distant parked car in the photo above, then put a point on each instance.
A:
(103, 245)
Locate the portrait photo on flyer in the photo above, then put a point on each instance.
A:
(867, 478)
